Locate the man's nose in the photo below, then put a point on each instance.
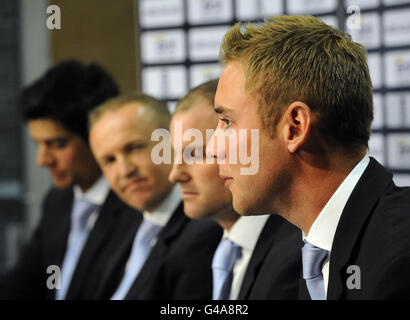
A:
(216, 146)
(127, 167)
(178, 174)
(45, 157)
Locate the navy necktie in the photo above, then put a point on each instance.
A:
(313, 259)
(223, 262)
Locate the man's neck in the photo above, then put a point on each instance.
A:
(313, 188)
(227, 218)
(158, 200)
(86, 184)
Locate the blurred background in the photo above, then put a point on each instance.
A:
(165, 47)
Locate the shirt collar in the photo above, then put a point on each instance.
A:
(246, 230)
(96, 194)
(323, 229)
(163, 212)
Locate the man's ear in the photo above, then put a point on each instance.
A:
(298, 123)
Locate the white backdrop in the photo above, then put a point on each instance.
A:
(180, 43)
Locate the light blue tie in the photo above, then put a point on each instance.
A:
(313, 259)
(223, 262)
(139, 253)
(78, 235)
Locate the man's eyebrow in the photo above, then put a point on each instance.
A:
(221, 110)
(56, 139)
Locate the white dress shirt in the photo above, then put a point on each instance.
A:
(245, 233)
(163, 212)
(323, 229)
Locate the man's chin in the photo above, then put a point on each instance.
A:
(243, 208)
(63, 184)
(194, 213)
(142, 204)
(246, 209)
(138, 205)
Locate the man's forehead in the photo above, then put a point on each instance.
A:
(117, 131)
(47, 129)
(117, 143)
(231, 72)
(200, 118)
(195, 131)
(131, 117)
(231, 82)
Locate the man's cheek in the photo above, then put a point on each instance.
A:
(112, 180)
(69, 159)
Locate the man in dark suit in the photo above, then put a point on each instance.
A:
(370, 253)
(305, 88)
(259, 242)
(171, 255)
(55, 108)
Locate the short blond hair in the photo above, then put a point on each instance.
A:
(159, 107)
(206, 91)
(301, 58)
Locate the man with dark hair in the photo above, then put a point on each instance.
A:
(306, 88)
(80, 213)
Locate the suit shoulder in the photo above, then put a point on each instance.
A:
(202, 229)
(396, 197)
(390, 222)
(55, 196)
(113, 202)
(198, 236)
(55, 202)
(394, 205)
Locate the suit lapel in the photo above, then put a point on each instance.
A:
(116, 254)
(100, 233)
(59, 228)
(174, 225)
(103, 227)
(357, 210)
(264, 243)
(151, 266)
(55, 226)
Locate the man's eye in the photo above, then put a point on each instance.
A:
(138, 146)
(192, 152)
(135, 147)
(227, 122)
(60, 143)
(108, 160)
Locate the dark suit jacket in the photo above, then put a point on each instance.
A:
(28, 278)
(273, 270)
(373, 234)
(178, 266)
